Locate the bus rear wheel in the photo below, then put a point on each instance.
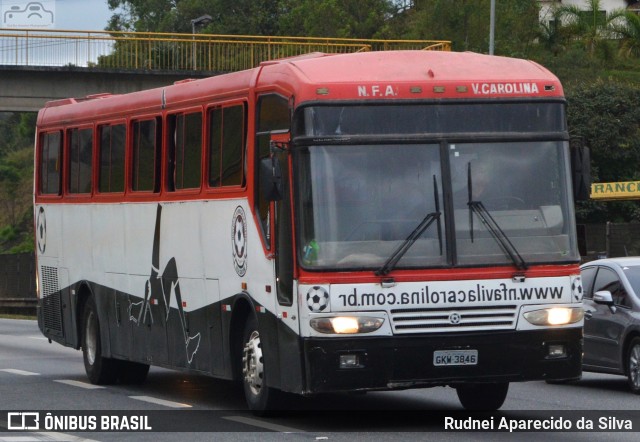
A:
(482, 397)
(260, 398)
(100, 370)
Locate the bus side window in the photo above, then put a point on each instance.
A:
(184, 167)
(234, 130)
(112, 139)
(273, 114)
(80, 160)
(227, 130)
(146, 156)
(215, 147)
(50, 161)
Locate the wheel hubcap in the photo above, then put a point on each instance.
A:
(634, 366)
(252, 366)
(90, 338)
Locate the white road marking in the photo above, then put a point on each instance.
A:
(20, 372)
(79, 384)
(20, 439)
(62, 437)
(262, 424)
(154, 400)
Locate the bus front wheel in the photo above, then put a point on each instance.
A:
(482, 397)
(100, 370)
(261, 399)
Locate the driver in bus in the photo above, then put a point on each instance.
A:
(488, 186)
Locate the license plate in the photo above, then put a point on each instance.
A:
(455, 357)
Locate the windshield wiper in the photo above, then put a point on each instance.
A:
(432, 217)
(489, 221)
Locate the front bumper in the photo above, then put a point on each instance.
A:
(386, 363)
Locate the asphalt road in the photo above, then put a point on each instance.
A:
(36, 376)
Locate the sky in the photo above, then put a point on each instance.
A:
(85, 15)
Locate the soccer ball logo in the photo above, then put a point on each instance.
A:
(41, 231)
(238, 237)
(239, 241)
(576, 288)
(317, 299)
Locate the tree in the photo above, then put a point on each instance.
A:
(143, 15)
(592, 26)
(16, 131)
(339, 18)
(248, 17)
(16, 183)
(9, 185)
(604, 114)
(321, 18)
(629, 31)
(466, 24)
(551, 34)
(16, 219)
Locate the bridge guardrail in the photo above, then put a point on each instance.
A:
(175, 52)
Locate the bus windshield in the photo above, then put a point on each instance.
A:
(357, 202)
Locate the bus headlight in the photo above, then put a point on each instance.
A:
(346, 324)
(555, 316)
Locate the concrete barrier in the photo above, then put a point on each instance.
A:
(18, 306)
(18, 284)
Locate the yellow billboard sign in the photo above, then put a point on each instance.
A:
(626, 190)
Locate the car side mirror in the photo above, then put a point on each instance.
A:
(603, 297)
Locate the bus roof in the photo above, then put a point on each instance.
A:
(356, 76)
(416, 74)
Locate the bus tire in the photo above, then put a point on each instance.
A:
(260, 398)
(100, 370)
(633, 365)
(482, 397)
(133, 373)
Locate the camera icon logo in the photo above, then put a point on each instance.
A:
(23, 421)
(19, 14)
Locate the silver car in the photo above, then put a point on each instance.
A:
(612, 317)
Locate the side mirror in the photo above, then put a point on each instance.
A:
(580, 169)
(270, 168)
(603, 297)
(279, 140)
(271, 178)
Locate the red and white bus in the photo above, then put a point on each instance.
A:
(324, 223)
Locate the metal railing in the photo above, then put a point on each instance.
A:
(175, 52)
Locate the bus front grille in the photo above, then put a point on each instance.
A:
(463, 319)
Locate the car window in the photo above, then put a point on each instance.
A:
(607, 279)
(588, 274)
(633, 276)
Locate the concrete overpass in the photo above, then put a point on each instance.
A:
(27, 89)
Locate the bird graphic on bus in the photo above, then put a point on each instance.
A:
(164, 287)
